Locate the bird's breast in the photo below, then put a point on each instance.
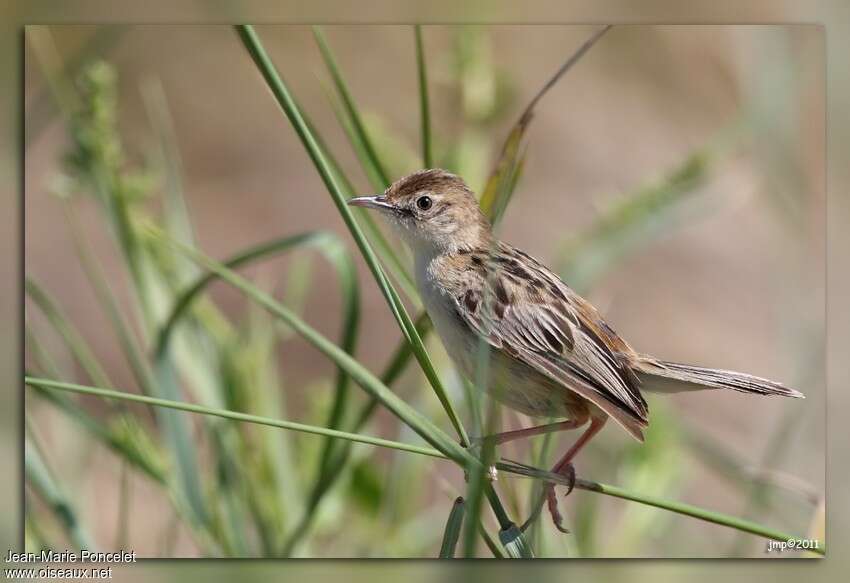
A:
(456, 336)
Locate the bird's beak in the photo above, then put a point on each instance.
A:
(378, 202)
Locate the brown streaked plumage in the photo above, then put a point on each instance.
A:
(552, 353)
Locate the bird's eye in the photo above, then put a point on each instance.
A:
(424, 203)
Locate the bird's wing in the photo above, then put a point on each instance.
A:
(530, 314)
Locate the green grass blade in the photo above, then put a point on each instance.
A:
(233, 415)
(758, 498)
(506, 466)
(41, 479)
(386, 251)
(127, 438)
(670, 505)
(326, 243)
(500, 185)
(697, 512)
(492, 545)
(395, 367)
(339, 458)
(332, 249)
(452, 530)
(477, 482)
(106, 298)
(374, 168)
(424, 107)
(359, 374)
(281, 93)
(175, 210)
(329, 245)
(150, 381)
(80, 349)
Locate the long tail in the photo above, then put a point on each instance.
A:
(659, 376)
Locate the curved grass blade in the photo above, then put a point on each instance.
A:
(281, 93)
(326, 243)
(373, 166)
(452, 530)
(358, 373)
(499, 188)
(335, 253)
(424, 107)
(337, 459)
(233, 415)
(98, 280)
(80, 349)
(175, 210)
(506, 186)
(41, 479)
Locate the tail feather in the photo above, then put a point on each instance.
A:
(669, 377)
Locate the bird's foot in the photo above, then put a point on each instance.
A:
(552, 504)
(569, 472)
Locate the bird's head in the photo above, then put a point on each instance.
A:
(433, 211)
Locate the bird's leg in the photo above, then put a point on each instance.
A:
(500, 438)
(506, 436)
(565, 468)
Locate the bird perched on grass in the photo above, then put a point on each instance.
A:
(551, 353)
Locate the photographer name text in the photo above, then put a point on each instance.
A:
(82, 556)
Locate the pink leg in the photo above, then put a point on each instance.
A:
(507, 436)
(565, 468)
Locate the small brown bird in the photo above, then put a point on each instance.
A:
(552, 354)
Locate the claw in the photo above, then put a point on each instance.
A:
(569, 472)
(552, 503)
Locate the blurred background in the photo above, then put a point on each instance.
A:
(675, 177)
